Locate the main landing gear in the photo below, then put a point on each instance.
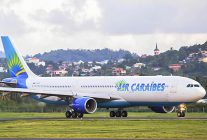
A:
(181, 110)
(118, 113)
(73, 114)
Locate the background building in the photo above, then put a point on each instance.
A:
(156, 50)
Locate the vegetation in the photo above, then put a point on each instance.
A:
(15, 103)
(190, 66)
(97, 128)
(84, 55)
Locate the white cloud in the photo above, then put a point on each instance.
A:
(72, 16)
(11, 23)
(135, 25)
(150, 16)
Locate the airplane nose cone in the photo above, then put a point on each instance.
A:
(202, 92)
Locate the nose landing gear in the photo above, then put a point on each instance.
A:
(181, 109)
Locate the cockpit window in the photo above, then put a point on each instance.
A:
(191, 85)
(196, 85)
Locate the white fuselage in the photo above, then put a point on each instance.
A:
(131, 90)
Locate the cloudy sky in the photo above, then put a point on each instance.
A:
(136, 25)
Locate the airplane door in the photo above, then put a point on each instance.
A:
(171, 92)
(173, 89)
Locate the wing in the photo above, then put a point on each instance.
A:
(61, 94)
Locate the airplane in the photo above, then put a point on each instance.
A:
(83, 95)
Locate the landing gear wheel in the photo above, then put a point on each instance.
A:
(181, 110)
(124, 114)
(118, 114)
(68, 114)
(181, 114)
(112, 114)
(74, 114)
(80, 115)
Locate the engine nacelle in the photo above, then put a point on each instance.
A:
(163, 109)
(84, 105)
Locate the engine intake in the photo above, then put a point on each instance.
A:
(84, 105)
(163, 109)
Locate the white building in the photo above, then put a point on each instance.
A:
(78, 63)
(103, 62)
(36, 61)
(95, 68)
(2, 69)
(60, 72)
(139, 65)
(90, 63)
(33, 60)
(121, 60)
(41, 63)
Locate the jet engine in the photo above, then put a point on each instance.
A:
(163, 109)
(84, 105)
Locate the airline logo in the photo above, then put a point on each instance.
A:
(15, 66)
(142, 87)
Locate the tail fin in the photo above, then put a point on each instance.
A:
(16, 64)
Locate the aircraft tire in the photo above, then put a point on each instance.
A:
(179, 114)
(74, 114)
(118, 114)
(183, 114)
(112, 114)
(124, 114)
(68, 114)
(80, 115)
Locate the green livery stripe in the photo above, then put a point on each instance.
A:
(14, 61)
(18, 73)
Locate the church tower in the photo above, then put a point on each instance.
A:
(156, 50)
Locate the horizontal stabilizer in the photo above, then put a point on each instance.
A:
(10, 84)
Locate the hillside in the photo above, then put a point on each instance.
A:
(174, 56)
(191, 59)
(164, 59)
(84, 55)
